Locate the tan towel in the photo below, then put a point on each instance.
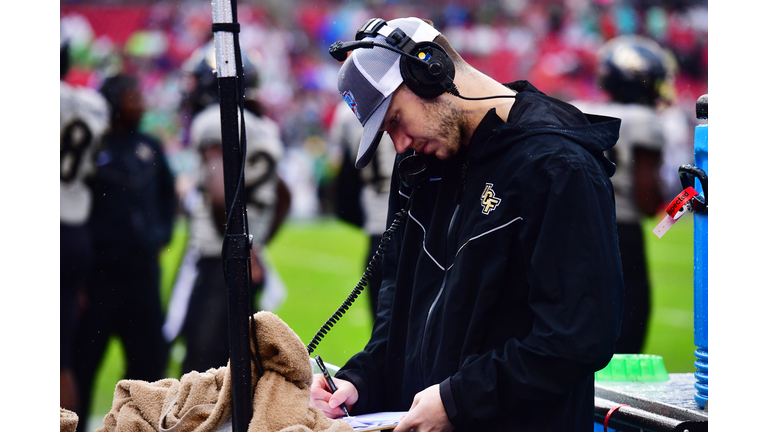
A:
(202, 401)
(67, 420)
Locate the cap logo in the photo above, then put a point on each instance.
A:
(350, 100)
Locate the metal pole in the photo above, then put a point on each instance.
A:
(236, 248)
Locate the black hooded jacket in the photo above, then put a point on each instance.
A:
(504, 284)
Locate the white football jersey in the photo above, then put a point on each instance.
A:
(84, 120)
(641, 127)
(264, 149)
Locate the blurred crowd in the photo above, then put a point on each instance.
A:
(552, 43)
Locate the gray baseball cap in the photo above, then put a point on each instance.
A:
(368, 78)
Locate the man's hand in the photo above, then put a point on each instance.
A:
(426, 413)
(329, 403)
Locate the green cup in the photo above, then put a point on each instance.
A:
(634, 367)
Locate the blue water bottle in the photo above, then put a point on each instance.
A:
(700, 252)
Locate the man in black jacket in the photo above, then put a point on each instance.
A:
(502, 288)
(132, 218)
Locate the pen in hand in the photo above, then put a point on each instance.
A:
(328, 379)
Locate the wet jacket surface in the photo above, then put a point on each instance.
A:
(504, 284)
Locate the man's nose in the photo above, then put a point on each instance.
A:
(402, 142)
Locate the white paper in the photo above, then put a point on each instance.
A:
(374, 420)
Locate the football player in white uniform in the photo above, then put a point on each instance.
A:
(199, 309)
(84, 120)
(636, 73)
(362, 195)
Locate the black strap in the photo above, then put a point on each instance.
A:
(226, 27)
(370, 28)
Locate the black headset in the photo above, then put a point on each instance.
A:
(425, 66)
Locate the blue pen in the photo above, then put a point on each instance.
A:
(328, 379)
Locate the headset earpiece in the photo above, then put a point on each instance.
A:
(430, 80)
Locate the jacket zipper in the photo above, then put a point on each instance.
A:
(457, 201)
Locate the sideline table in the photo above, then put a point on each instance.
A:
(660, 406)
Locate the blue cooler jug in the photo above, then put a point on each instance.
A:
(696, 176)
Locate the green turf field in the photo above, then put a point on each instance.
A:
(321, 261)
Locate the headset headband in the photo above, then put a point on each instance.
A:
(394, 36)
(371, 28)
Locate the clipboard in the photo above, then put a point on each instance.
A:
(376, 428)
(375, 421)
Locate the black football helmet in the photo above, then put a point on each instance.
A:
(202, 88)
(634, 69)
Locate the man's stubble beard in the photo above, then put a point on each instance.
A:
(445, 121)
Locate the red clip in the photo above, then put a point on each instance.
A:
(608, 416)
(677, 204)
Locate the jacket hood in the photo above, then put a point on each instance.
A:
(535, 113)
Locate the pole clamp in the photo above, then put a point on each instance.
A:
(226, 27)
(236, 246)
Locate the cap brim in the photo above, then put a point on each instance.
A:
(371, 134)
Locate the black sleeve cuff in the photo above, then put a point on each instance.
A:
(447, 397)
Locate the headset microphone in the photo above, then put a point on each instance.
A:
(340, 49)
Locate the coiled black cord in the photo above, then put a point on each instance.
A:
(373, 265)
